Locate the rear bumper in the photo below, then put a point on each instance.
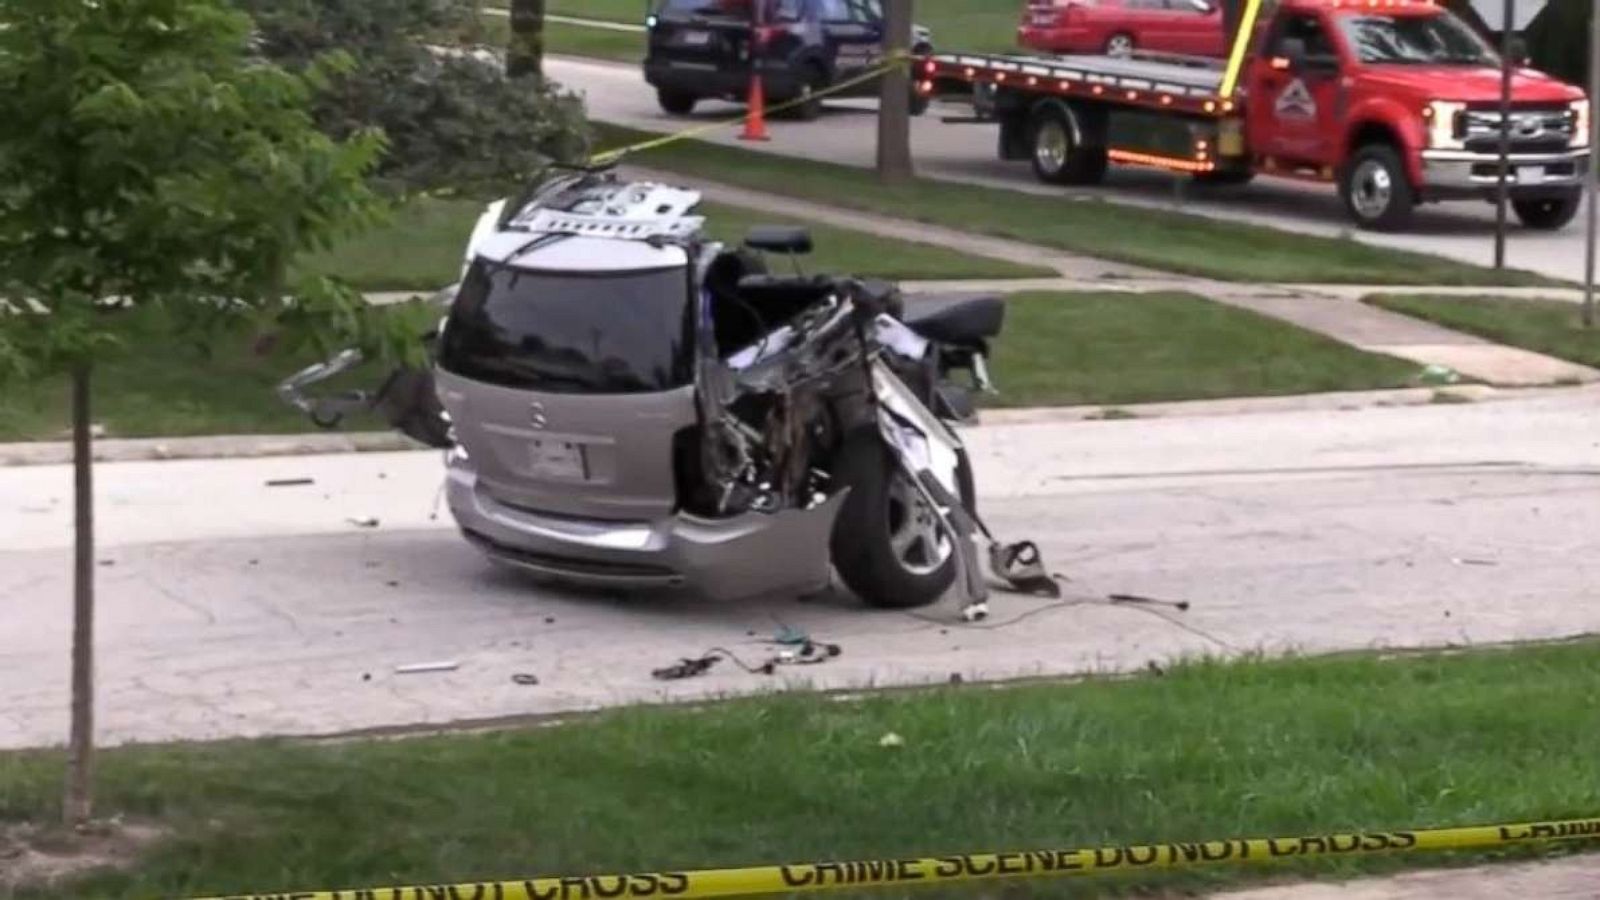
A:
(778, 78)
(1455, 173)
(721, 559)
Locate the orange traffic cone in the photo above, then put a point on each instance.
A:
(755, 119)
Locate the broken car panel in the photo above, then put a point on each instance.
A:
(628, 403)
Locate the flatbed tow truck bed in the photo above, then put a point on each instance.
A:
(1336, 91)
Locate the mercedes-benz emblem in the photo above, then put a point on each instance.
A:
(536, 415)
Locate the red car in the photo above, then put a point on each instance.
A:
(1119, 27)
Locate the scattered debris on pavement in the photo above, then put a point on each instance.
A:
(422, 668)
(363, 521)
(807, 653)
(1468, 561)
(526, 679)
(290, 482)
(1179, 605)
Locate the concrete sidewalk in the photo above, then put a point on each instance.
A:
(233, 608)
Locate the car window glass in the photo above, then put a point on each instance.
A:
(564, 332)
(834, 10)
(1309, 30)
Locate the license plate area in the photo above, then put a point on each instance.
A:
(694, 37)
(557, 460)
(1530, 174)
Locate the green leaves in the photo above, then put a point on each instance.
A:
(406, 67)
(165, 165)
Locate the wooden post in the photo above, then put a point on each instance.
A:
(894, 107)
(79, 801)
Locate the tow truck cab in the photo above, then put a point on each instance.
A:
(1396, 101)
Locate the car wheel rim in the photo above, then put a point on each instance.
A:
(1121, 46)
(1372, 190)
(1051, 146)
(916, 535)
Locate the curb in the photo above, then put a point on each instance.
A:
(55, 453)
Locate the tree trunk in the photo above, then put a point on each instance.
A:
(894, 107)
(80, 749)
(525, 53)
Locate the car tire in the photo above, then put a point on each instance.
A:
(1056, 157)
(1376, 190)
(808, 106)
(879, 549)
(1120, 44)
(1550, 213)
(676, 103)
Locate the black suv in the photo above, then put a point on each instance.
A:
(701, 49)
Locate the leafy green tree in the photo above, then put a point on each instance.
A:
(419, 73)
(150, 160)
(1558, 39)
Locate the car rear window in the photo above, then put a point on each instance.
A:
(776, 10)
(571, 333)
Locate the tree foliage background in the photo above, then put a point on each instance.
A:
(1558, 39)
(451, 117)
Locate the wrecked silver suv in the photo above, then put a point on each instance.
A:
(628, 403)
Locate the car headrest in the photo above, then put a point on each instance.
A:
(779, 239)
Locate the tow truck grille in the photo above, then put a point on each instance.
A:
(1531, 130)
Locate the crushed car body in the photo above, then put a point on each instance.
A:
(628, 403)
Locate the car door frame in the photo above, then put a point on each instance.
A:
(1299, 126)
(854, 44)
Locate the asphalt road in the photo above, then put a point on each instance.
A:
(231, 608)
(846, 134)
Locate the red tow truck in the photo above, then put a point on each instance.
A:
(1395, 101)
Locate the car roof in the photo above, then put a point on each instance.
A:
(1399, 7)
(590, 222)
(577, 253)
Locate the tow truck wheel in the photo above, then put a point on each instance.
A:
(1376, 190)
(675, 103)
(1057, 158)
(1549, 213)
(1120, 44)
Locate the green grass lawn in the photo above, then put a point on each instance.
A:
(1203, 751)
(175, 390)
(160, 387)
(1546, 326)
(420, 249)
(1159, 239)
(1062, 349)
(565, 39)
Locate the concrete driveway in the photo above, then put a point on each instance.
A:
(846, 134)
(232, 608)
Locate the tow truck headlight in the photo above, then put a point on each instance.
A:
(1580, 123)
(1444, 125)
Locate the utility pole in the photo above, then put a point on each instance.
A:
(894, 107)
(1502, 195)
(1589, 180)
(525, 53)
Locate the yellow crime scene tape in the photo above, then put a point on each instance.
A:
(608, 156)
(808, 877)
